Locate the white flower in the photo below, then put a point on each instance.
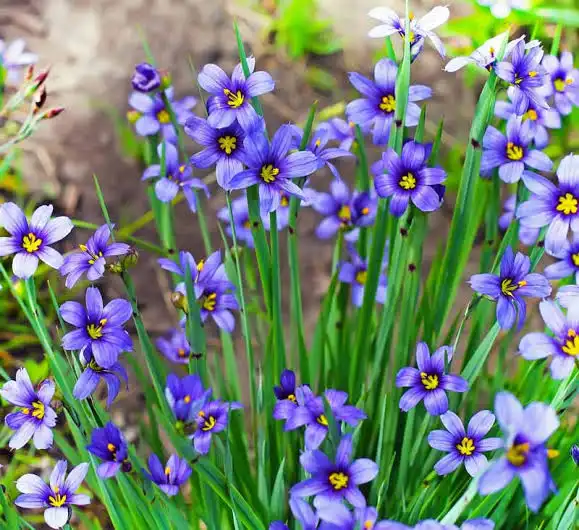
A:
(419, 28)
(502, 8)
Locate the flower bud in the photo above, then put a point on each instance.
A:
(145, 78)
(52, 113)
(126, 466)
(130, 259)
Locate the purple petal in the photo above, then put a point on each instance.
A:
(454, 383)
(480, 424)
(166, 190)
(475, 464)
(536, 345)
(259, 83)
(51, 257)
(489, 444)
(21, 437)
(411, 398)
(147, 126)
(57, 229)
(363, 85)
(12, 218)
(56, 517)
(509, 412)
(441, 440)
(540, 421)
(506, 313)
(536, 484)
(496, 477)
(32, 485)
(399, 204)
(24, 265)
(426, 199)
(453, 424)
(407, 377)
(213, 79)
(94, 304)
(436, 402)
(31, 501)
(447, 464)
(308, 487)
(363, 470)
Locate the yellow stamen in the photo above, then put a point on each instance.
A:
(111, 447)
(181, 352)
(365, 211)
(318, 143)
(209, 424)
(37, 410)
(532, 73)
(571, 346)
(345, 214)
(284, 201)
(567, 204)
(338, 480)
(167, 471)
(210, 301)
(430, 382)
(322, 420)
(561, 84)
(517, 454)
(228, 144)
(187, 399)
(234, 100)
(96, 332)
(388, 103)
(133, 116)
(508, 287)
(368, 525)
(31, 243)
(514, 152)
(531, 114)
(57, 500)
(163, 117)
(466, 446)
(408, 182)
(292, 397)
(268, 173)
(362, 277)
(552, 453)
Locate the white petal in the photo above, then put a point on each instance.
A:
(434, 18)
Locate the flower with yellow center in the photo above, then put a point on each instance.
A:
(234, 99)
(56, 500)
(362, 277)
(508, 287)
(37, 410)
(407, 182)
(268, 173)
(514, 152)
(388, 104)
(345, 214)
(31, 243)
(571, 346)
(96, 332)
(531, 114)
(163, 117)
(209, 301)
(338, 480)
(228, 144)
(567, 204)
(429, 381)
(466, 446)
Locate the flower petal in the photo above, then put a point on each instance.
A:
(480, 424)
(447, 464)
(24, 265)
(453, 424)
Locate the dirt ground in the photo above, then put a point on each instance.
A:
(93, 46)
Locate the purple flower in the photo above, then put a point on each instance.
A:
(512, 153)
(286, 395)
(30, 240)
(176, 177)
(172, 477)
(527, 235)
(575, 454)
(338, 517)
(430, 524)
(419, 28)
(317, 145)
(377, 106)
(272, 168)
(186, 397)
(56, 498)
(428, 382)
(509, 287)
(92, 375)
(13, 59)
(98, 328)
(334, 481)
(355, 272)
(340, 131)
(526, 432)
(562, 345)
(408, 178)
(310, 413)
(211, 419)
(241, 220)
(109, 444)
(555, 206)
(217, 300)
(145, 78)
(539, 119)
(36, 418)
(341, 210)
(223, 148)
(562, 82)
(464, 446)
(91, 259)
(302, 512)
(568, 265)
(232, 97)
(154, 117)
(175, 347)
(524, 72)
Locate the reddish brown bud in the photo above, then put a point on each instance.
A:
(39, 99)
(41, 77)
(29, 73)
(52, 113)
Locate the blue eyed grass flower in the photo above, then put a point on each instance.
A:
(152, 116)
(30, 240)
(562, 344)
(407, 177)
(431, 524)
(109, 444)
(338, 517)
(231, 97)
(332, 481)
(509, 288)
(310, 412)
(568, 264)
(175, 347)
(420, 29)
(93, 374)
(55, 498)
(538, 119)
(340, 131)
(355, 273)
(99, 327)
(211, 419)
(303, 513)
(525, 74)
(526, 431)
(35, 417)
(272, 168)
(286, 396)
(186, 397)
(429, 382)
(171, 477)
(562, 82)
(90, 259)
(223, 148)
(512, 153)
(145, 78)
(177, 177)
(575, 454)
(555, 206)
(527, 235)
(464, 446)
(341, 209)
(377, 107)
(14, 60)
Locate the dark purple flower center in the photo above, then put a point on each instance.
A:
(93, 257)
(567, 204)
(234, 99)
(338, 480)
(466, 446)
(268, 173)
(408, 181)
(509, 286)
(571, 344)
(209, 301)
(514, 152)
(95, 331)
(208, 421)
(57, 499)
(429, 381)
(227, 144)
(520, 78)
(387, 104)
(518, 453)
(31, 243)
(37, 410)
(112, 449)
